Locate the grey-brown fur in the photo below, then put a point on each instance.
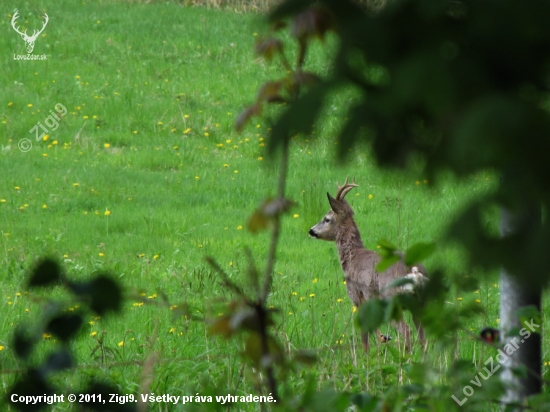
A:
(363, 281)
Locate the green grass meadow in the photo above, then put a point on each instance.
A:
(145, 176)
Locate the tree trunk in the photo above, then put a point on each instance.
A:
(514, 294)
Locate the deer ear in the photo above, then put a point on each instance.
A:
(336, 206)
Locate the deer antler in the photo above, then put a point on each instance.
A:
(37, 32)
(15, 17)
(344, 189)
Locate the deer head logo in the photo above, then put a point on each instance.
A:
(29, 40)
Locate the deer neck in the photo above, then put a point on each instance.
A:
(348, 241)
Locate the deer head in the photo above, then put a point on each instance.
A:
(327, 228)
(29, 40)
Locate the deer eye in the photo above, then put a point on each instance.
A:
(327, 220)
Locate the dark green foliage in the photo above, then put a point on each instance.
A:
(464, 87)
(23, 343)
(47, 272)
(100, 295)
(64, 326)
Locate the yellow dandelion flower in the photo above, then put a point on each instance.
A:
(172, 330)
(94, 333)
(478, 301)
(101, 254)
(239, 227)
(121, 344)
(459, 299)
(1, 347)
(294, 293)
(106, 145)
(296, 216)
(312, 295)
(339, 300)
(260, 158)
(29, 105)
(353, 309)
(46, 137)
(138, 304)
(107, 213)
(44, 206)
(46, 335)
(76, 184)
(302, 298)
(315, 280)
(370, 196)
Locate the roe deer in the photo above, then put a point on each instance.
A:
(363, 281)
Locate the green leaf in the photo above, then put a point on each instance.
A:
(268, 210)
(400, 282)
(394, 311)
(253, 349)
(23, 343)
(529, 314)
(267, 48)
(386, 246)
(106, 295)
(418, 252)
(306, 357)
(386, 262)
(365, 402)
(47, 272)
(102, 293)
(57, 361)
(371, 314)
(298, 117)
(65, 326)
(245, 116)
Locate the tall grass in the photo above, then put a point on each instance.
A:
(145, 176)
